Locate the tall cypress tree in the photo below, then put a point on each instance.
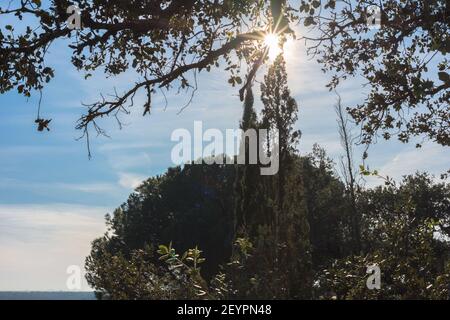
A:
(289, 225)
(247, 178)
(271, 211)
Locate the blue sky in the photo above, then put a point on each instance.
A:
(53, 198)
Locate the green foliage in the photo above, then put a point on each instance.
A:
(164, 42)
(139, 277)
(271, 210)
(186, 269)
(404, 62)
(404, 230)
(408, 259)
(272, 252)
(404, 234)
(328, 208)
(135, 277)
(280, 108)
(248, 196)
(187, 206)
(288, 236)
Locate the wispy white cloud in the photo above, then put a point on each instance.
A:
(89, 187)
(431, 158)
(118, 146)
(130, 180)
(123, 161)
(39, 242)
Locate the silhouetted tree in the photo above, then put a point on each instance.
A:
(349, 172)
(166, 42)
(403, 235)
(404, 62)
(249, 201)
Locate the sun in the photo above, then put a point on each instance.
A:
(272, 42)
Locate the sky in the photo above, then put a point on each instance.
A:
(53, 198)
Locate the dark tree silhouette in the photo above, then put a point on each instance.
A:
(165, 42)
(168, 42)
(404, 62)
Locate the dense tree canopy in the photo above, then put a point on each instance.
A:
(167, 43)
(287, 236)
(161, 40)
(187, 207)
(404, 62)
(404, 231)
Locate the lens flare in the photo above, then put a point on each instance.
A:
(272, 42)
